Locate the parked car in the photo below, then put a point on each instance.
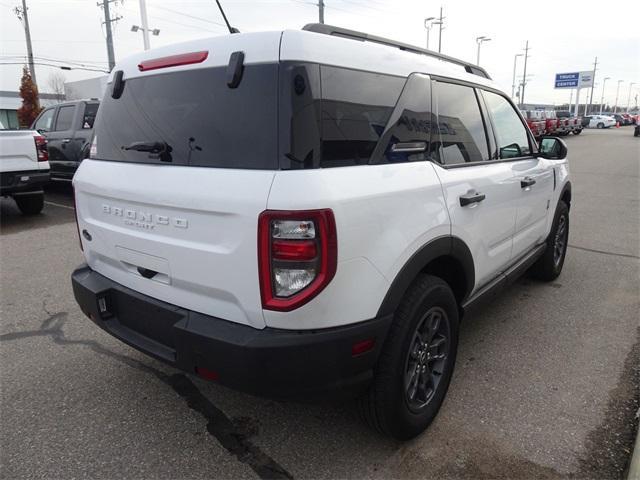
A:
(551, 123)
(601, 121)
(628, 119)
(636, 130)
(571, 123)
(288, 220)
(68, 128)
(24, 168)
(535, 121)
(618, 118)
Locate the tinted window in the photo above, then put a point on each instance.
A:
(356, 107)
(89, 117)
(45, 120)
(511, 134)
(193, 118)
(409, 126)
(461, 128)
(65, 118)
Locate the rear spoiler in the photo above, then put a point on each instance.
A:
(365, 37)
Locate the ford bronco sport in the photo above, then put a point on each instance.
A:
(301, 212)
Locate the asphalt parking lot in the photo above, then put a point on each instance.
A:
(547, 383)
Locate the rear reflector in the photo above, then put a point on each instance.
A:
(173, 61)
(207, 374)
(41, 148)
(294, 249)
(364, 346)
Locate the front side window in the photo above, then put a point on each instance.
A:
(511, 134)
(461, 128)
(44, 122)
(65, 118)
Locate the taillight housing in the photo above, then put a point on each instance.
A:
(297, 256)
(41, 148)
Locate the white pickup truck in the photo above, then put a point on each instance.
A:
(24, 168)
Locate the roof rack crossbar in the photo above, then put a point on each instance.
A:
(365, 37)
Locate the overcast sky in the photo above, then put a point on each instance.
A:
(564, 36)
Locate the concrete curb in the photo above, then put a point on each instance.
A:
(634, 466)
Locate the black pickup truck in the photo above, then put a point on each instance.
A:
(68, 128)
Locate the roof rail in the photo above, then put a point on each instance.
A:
(365, 37)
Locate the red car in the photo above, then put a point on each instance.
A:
(551, 127)
(535, 121)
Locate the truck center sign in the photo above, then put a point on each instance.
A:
(574, 80)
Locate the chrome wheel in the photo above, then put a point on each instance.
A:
(427, 358)
(560, 243)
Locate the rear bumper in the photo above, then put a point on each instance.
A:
(23, 181)
(269, 362)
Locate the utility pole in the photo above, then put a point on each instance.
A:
(440, 32)
(629, 97)
(615, 107)
(107, 24)
(513, 83)
(604, 81)
(321, 10)
(593, 85)
(24, 17)
(524, 74)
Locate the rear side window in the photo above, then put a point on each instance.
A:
(356, 107)
(65, 118)
(192, 117)
(511, 134)
(461, 129)
(89, 117)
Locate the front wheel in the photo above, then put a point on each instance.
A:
(577, 132)
(416, 363)
(601, 125)
(30, 204)
(549, 265)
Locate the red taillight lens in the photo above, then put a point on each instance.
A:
(41, 148)
(297, 255)
(173, 61)
(75, 211)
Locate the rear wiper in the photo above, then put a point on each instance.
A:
(157, 150)
(152, 147)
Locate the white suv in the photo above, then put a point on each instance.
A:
(302, 212)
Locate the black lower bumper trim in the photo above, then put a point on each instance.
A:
(270, 362)
(29, 181)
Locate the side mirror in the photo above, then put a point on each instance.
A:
(553, 148)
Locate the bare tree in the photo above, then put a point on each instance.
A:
(55, 83)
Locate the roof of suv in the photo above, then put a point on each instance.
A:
(309, 46)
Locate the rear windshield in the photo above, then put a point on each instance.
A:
(192, 118)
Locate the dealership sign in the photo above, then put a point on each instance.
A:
(574, 80)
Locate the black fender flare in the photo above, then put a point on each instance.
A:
(565, 189)
(438, 247)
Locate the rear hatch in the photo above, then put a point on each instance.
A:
(180, 168)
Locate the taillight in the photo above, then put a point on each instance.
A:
(297, 256)
(41, 148)
(75, 211)
(173, 61)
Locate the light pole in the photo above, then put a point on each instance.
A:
(615, 107)
(629, 97)
(604, 81)
(441, 23)
(513, 83)
(427, 26)
(479, 41)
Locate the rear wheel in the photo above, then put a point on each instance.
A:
(577, 132)
(416, 362)
(549, 265)
(30, 204)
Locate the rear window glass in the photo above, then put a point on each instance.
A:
(193, 118)
(89, 117)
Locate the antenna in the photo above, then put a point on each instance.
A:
(231, 29)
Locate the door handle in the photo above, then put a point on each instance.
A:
(471, 197)
(66, 140)
(527, 182)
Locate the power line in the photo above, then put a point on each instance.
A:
(62, 67)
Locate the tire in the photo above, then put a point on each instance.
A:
(30, 204)
(549, 265)
(387, 406)
(577, 132)
(601, 125)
